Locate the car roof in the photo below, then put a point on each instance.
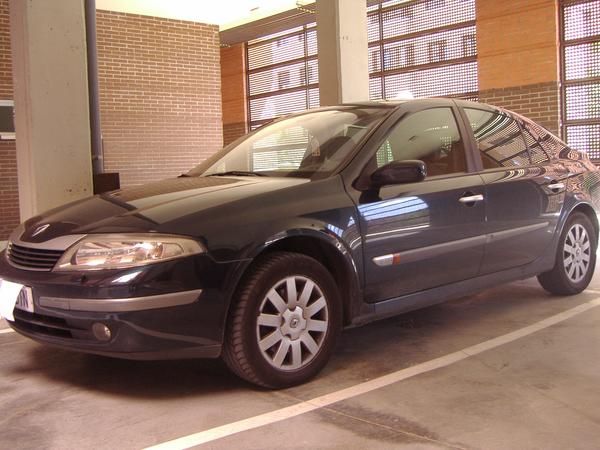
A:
(393, 104)
(438, 101)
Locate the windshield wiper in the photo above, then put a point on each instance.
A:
(237, 173)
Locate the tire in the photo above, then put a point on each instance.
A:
(284, 321)
(575, 258)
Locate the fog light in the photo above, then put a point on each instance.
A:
(101, 332)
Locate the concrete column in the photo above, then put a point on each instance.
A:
(343, 51)
(51, 103)
(518, 54)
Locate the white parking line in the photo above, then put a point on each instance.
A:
(278, 415)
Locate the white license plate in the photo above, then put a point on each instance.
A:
(25, 300)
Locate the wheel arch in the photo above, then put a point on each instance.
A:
(324, 248)
(589, 211)
(558, 279)
(582, 207)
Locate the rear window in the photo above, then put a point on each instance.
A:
(499, 139)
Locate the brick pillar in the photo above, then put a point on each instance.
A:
(233, 92)
(518, 52)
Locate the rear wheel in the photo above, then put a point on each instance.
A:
(284, 321)
(575, 258)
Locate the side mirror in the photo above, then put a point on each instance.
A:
(399, 172)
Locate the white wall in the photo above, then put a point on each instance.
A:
(225, 13)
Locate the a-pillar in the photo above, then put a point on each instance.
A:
(343, 51)
(518, 53)
(51, 103)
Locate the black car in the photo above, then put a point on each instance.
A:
(318, 221)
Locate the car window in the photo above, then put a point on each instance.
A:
(552, 146)
(430, 136)
(498, 138)
(308, 145)
(284, 149)
(537, 153)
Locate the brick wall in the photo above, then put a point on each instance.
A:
(9, 192)
(517, 42)
(232, 131)
(517, 52)
(539, 102)
(160, 99)
(233, 92)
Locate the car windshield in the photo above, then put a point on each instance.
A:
(307, 145)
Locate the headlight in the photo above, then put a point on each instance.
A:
(109, 251)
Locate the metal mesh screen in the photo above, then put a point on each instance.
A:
(583, 102)
(424, 47)
(581, 61)
(581, 19)
(585, 138)
(283, 74)
(375, 88)
(436, 82)
(402, 18)
(580, 75)
(265, 108)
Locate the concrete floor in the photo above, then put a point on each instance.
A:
(538, 392)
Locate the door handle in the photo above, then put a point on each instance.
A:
(471, 199)
(556, 186)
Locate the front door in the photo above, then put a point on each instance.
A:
(422, 235)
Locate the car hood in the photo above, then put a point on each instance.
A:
(155, 207)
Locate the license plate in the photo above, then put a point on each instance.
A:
(25, 300)
(9, 293)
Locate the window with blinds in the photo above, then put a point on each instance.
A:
(580, 75)
(283, 75)
(427, 48)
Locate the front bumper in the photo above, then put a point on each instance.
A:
(171, 310)
(154, 333)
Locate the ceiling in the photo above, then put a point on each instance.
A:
(225, 13)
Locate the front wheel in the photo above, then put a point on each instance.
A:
(284, 321)
(575, 258)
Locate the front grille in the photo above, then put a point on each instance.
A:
(32, 258)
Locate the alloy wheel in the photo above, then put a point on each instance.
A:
(292, 323)
(577, 253)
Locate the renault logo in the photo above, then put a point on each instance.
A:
(40, 229)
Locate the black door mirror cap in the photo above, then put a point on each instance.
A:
(399, 172)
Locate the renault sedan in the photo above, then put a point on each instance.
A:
(319, 221)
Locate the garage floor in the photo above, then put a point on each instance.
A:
(540, 390)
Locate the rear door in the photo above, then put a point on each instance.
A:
(523, 190)
(421, 235)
